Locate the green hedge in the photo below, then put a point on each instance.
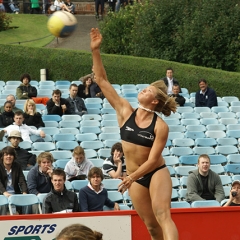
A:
(69, 64)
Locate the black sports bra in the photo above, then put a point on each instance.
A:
(130, 132)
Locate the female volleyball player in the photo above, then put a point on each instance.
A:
(144, 136)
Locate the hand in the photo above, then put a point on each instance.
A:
(7, 194)
(42, 134)
(116, 207)
(96, 39)
(64, 107)
(116, 158)
(49, 171)
(30, 112)
(125, 184)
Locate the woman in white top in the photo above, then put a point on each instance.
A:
(60, 6)
(78, 164)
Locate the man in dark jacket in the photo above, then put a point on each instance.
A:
(26, 159)
(77, 104)
(57, 105)
(25, 90)
(12, 180)
(205, 97)
(60, 199)
(169, 80)
(180, 100)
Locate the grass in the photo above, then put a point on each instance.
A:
(29, 27)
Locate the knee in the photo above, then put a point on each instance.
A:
(162, 213)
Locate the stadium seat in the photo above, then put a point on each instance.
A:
(233, 127)
(50, 130)
(227, 121)
(175, 195)
(207, 121)
(194, 134)
(219, 109)
(61, 163)
(24, 144)
(226, 149)
(226, 190)
(109, 116)
(230, 99)
(78, 184)
(66, 145)
(48, 82)
(181, 151)
(175, 182)
(233, 168)
(191, 115)
(182, 142)
(97, 162)
(216, 127)
(182, 204)
(184, 109)
(183, 182)
(202, 109)
(233, 158)
(91, 117)
(106, 136)
(63, 137)
(188, 160)
(111, 184)
(92, 144)
(3, 201)
(71, 117)
(226, 180)
(61, 154)
(69, 130)
(51, 124)
(235, 103)
(86, 137)
(109, 143)
(200, 128)
(219, 169)
(205, 142)
(215, 134)
(44, 146)
(69, 124)
(171, 161)
(165, 152)
(91, 153)
(171, 171)
(109, 123)
(94, 111)
(172, 135)
(115, 196)
(233, 133)
(203, 150)
(182, 194)
(110, 130)
(108, 111)
(218, 159)
(23, 200)
(184, 170)
(208, 203)
(226, 115)
(172, 121)
(90, 129)
(176, 128)
(104, 153)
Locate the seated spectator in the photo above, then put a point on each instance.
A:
(57, 105)
(26, 159)
(70, 6)
(11, 98)
(114, 166)
(2, 8)
(35, 7)
(78, 232)
(23, 128)
(60, 5)
(84, 89)
(95, 91)
(234, 196)
(60, 199)
(25, 90)
(169, 80)
(93, 197)
(77, 104)
(205, 97)
(6, 118)
(180, 100)
(14, 6)
(203, 183)
(31, 116)
(12, 180)
(78, 165)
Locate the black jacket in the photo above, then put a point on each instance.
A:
(29, 90)
(81, 92)
(6, 119)
(24, 157)
(79, 103)
(59, 201)
(180, 100)
(35, 120)
(175, 81)
(53, 109)
(18, 179)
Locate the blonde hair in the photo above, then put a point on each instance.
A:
(78, 151)
(78, 232)
(46, 155)
(166, 104)
(31, 102)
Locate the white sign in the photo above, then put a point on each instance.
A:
(112, 227)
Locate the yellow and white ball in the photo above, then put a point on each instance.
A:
(62, 24)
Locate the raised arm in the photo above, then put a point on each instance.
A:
(101, 76)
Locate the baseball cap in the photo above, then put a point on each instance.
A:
(236, 181)
(15, 133)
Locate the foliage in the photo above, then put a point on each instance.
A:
(71, 65)
(5, 20)
(199, 32)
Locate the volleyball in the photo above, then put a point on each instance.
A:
(62, 24)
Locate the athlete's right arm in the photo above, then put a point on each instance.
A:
(109, 92)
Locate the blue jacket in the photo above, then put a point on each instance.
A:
(38, 182)
(209, 99)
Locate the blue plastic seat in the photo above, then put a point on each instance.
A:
(61, 154)
(111, 184)
(171, 161)
(234, 109)
(233, 168)
(203, 150)
(92, 144)
(91, 153)
(218, 159)
(182, 142)
(207, 121)
(175, 182)
(219, 169)
(208, 203)
(109, 123)
(78, 184)
(115, 196)
(175, 195)
(171, 171)
(69, 124)
(233, 158)
(106, 136)
(233, 133)
(176, 128)
(182, 204)
(108, 111)
(63, 137)
(205, 142)
(90, 129)
(208, 115)
(191, 115)
(110, 130)
(172, 121)
(86, 137)
(183, 182)
(202, 109)
(186, 122)
(194, 134)
(173, 135)
(109, 143)
(61, 163)
(230, 99)
(97, 162)
(66, 145)
(89, 123)
(227, 121)
(215, 134)
(50, 130)
(181, 151)
(184, 170)
(69, 130)
(199, 127)
(226, 149)
(184, 109)
(91, 117)
(189, 160)
(182, 194)
(48, 82)
(226, 180)
(94, 111)
(44, 146)
(71, 118)
(51, 124)
(104, 153)
(109, 116)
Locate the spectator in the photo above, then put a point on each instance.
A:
(60, 199)
(2, 8)
(70, 6)
(169, 80)
(11, 98)
(25, 90)
(35, 7)
(234, 197)
(95, 91)
(114, 166)
(6, 118)
(23, 128)
(78, 232)
(77, 104)
(60, 5)
(31, 116)
(24, 158)
(57, 105)
(112, 4)
(45, 5)
(12, 180)
(203, 183)
(97, 4)
(93, 196)
(78, 165)
(14, 6)
(180, 100)
(84, 89)
(205, 97)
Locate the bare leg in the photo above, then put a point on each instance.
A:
(142, 204)
(160, 192)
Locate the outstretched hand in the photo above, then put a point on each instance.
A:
(96, 38)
